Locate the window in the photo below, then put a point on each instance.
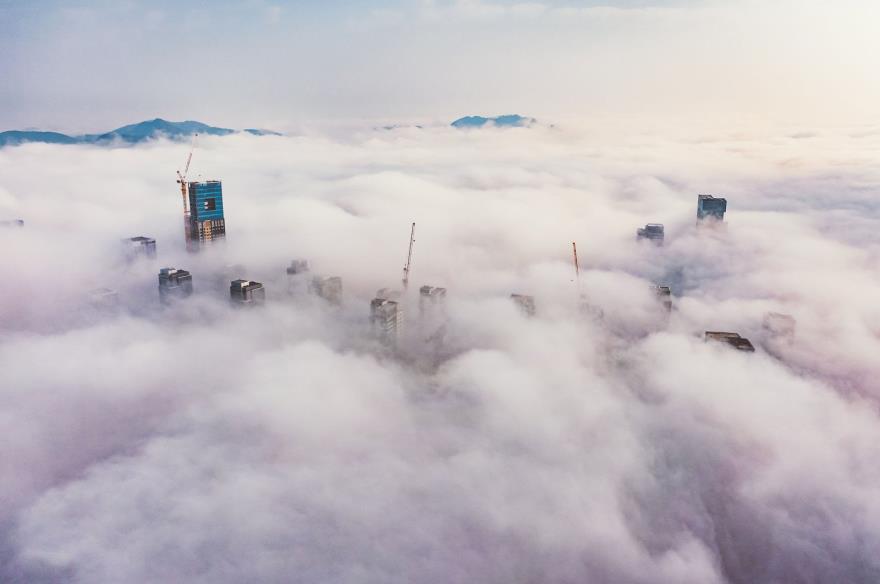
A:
(210, 204)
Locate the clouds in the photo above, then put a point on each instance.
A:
(203, 444)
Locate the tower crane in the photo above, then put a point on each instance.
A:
(408, 266)
(181, 178)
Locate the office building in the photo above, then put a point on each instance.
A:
(653, 232)
(205, 220)
(247, 293)
(709, 207)
(779, 325)
(525, 303)
(174, 284)
(140, 246)
(386, 317)
(329, 288)
(733, 339)
(431, 297)
(664, 295)
(297, 272)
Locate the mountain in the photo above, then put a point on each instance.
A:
(20, 136)
(131, 134)
(508, 120)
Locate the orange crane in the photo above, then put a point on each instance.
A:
(408, 266)
(181, 178)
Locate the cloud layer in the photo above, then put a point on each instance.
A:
(198, 443)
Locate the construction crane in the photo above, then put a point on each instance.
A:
(577, 268)
(181, 178)
(408, 266)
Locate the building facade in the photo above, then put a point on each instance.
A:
(247, 293)
(206, 222)
(709, 207)
(174, 283)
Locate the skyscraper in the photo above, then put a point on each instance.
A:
(736, 341)
(174, 283)
(140, 246)
(652, 231)
(664, 296)
(710, 207)
(525, 303)
(329, 288)
(430, 298)
(386, 317)
(247, 293)
(205, 222)
(296, 275)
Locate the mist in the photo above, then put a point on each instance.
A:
(202, 443)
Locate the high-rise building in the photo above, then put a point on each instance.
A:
(140, 246)
(297, 272)
(386, 317)
(329, 288)
(174, 283)
(525, 303)
(779, 325)
(652, 231)
(664, 295)
(733, 339)
(431, 297)
(205, 222)
(709, 207)
(247, 293)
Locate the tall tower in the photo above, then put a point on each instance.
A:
(205, 222)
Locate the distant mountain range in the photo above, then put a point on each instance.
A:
(499, 121)
(131, 134)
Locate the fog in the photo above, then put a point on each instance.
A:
(202, 443)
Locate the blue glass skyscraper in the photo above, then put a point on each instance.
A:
(206, 222)
(711, 207)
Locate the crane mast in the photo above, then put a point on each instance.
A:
(408, 266)
(181, 177)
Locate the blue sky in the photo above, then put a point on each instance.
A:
(94, 65)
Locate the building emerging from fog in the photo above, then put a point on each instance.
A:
(140, 246)
(329, 288)
(664, 295)
(247, 293)
(525, 303)
(779, 325)
(297, 272)
(653, 232)
(104, 299)
(386, 316)
(430, 298)
(205, 222)
(174, 283)
(709, 207)
(733, 339)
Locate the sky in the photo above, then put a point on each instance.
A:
(92, 66)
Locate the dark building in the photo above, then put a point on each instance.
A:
(733, 339)
(652, 231)
(386, 316)
(140, 246)
(205, 222)
(664, 295)
(525, 303)
(430, 297)
(174, 283)
(247, 293)
(329, 288)
(709, 207)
